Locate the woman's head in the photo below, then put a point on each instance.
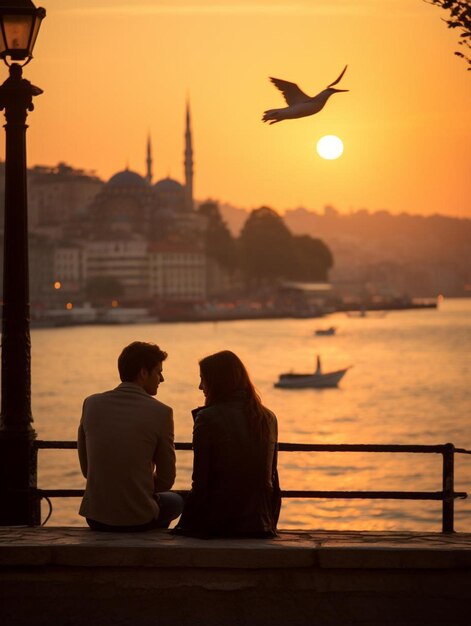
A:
(222, 374)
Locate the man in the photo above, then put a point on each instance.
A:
(126, 449)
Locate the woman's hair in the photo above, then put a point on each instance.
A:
(224, 374)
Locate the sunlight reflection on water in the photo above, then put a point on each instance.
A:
(409, 384)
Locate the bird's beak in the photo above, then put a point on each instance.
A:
(338, 90)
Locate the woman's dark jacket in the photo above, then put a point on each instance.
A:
(235, 488)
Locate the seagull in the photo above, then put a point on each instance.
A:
(299, 104)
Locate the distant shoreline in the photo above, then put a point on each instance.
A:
(360, 311)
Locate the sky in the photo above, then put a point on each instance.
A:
(114, 71)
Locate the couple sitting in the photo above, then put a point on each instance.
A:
(127, 453)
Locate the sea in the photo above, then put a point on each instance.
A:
(409, 383)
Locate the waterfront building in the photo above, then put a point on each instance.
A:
(177, 271)
(69, 267)
(59, 194)
(123, 262)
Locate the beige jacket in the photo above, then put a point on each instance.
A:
(126, 452)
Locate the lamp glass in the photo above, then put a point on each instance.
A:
(17, 30)
(34, 33)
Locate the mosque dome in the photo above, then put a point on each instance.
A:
(168, 185)
(170, 194)
(127, 178)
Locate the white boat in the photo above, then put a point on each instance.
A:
(300, 381)
(326, 331)
(317, 379)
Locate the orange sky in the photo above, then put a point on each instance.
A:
(114, 70)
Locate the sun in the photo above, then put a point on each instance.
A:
(330, 147)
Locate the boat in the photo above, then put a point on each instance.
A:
(325, 331)
(316, 380)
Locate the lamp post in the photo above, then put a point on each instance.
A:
(19, 25)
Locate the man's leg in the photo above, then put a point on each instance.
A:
(171, 507)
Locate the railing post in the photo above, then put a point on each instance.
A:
(34, 500)
(448, 504)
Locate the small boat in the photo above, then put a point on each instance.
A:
(325, 331)
(317, 380)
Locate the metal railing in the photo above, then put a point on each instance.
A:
(447, 495)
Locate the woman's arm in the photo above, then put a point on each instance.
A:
(201, 453)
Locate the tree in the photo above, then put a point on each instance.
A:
(312, 259)
(265, 247)
(460, 12)
(220, 244)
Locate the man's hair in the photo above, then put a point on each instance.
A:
(136, 356)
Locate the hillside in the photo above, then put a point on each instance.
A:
(421, 256)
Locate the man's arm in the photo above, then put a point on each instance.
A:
(82, 446)
(164, 456)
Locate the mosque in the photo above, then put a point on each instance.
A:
(130, 203)
(146, 236)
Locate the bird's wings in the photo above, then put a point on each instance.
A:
(291, 92)
(339, 78)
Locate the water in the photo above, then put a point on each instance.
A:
(409, 384)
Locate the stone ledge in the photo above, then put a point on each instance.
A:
(72, 576)
(80, 547)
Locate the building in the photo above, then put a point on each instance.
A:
(69, 267)
(144, 238)
(121, 265)
(59, 194)
(177, 272)
(147, 235)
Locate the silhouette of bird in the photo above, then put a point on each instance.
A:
(299, 104)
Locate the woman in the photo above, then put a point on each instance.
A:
(235, 490)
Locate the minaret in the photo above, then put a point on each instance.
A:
(188, 163)
(149, 161)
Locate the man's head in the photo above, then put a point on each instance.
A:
(141, 363)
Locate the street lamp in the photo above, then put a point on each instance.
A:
(19, 25)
